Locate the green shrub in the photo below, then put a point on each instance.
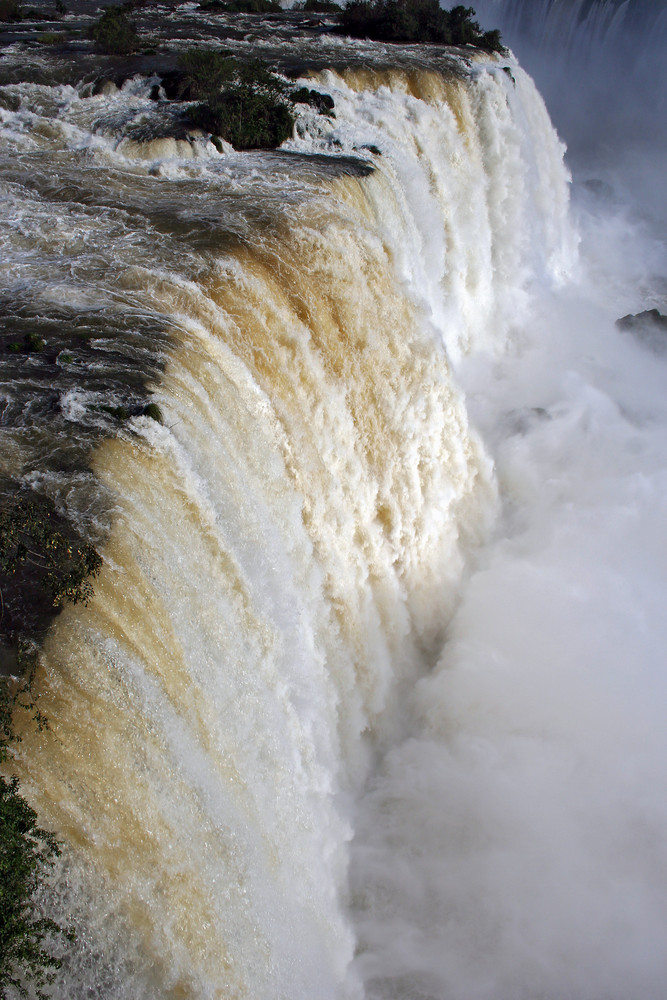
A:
(114, 33)
(415, 21)
(119, 412)
(202, 72)
(27, 853)
(31, 539)
(33, 343)
(253, 111)
(246, 117)
(318, 7)
(490, 41)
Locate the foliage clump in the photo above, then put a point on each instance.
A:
(38, 554)
(34, 547)
(416, 21)
(253, 6)
(27, 853)
(252, 111)
(246, 117)
(201, 72)
(114, 33)
(317, 7)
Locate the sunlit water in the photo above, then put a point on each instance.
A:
(369, 699)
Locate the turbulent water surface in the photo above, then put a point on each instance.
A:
(368, 702)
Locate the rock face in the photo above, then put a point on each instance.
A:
(649, 327)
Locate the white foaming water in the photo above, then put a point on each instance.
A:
(513, 846)
(474, 205)
(250, 701)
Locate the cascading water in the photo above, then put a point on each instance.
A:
(511, 846)
(579, 26)
(334, 724)
(600, 65)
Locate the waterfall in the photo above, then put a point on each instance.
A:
(368, 702)
(600, 66)
(285, 551)
(599, 41)
(581, 27)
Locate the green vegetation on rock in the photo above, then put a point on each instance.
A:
(318, 7)
(153, 411)
(202, 72)
(323, 103)
(244, 102)
(39, 561)
(27, 853)
(35, 552)
(246, 117)
(114, 33)
(416, 21)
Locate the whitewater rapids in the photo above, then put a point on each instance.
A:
(326, 731)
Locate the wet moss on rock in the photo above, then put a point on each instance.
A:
(153, 411)
(119, 412)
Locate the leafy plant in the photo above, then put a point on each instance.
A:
(30, 538)
(202, 72)
(114, 33)
(317, 7)
(27, 853)
(252, 112)
(153, 411)
(246, 117)
(416, 21)
(49, 38)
